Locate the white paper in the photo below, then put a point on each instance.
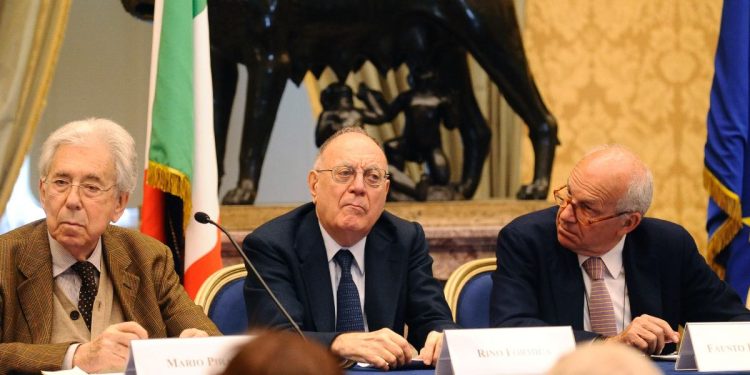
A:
(715, 347)
(443, 365)
(73, 371)
(184, 356)
(532, 350)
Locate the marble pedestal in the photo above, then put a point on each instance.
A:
(456, 231)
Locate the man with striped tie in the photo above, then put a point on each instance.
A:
(596, 263)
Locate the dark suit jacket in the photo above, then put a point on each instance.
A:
(399, 288)
(538, 282)
(142, 274)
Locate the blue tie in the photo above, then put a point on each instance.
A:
(348, 309)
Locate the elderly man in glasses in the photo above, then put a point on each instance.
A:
(350, 274)
(597, 264)
(75, 290)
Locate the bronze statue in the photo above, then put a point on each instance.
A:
(277, 40)
(425, 107)
(339, 112)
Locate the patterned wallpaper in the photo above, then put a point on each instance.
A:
(635, 72)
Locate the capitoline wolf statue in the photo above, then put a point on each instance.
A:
(278, 40)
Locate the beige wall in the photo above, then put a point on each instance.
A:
(636, 72)
(102, 71)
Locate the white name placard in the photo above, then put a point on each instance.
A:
(531, 350)
(189, 356)
(715, 347)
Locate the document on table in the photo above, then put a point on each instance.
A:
(75, 371)
(415, 364)
(671, 357)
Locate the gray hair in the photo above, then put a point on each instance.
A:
(640, 190)
(639, 194)
(118, 141)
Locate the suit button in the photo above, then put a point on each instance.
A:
(74, 315)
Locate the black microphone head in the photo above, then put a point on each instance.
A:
(202, 217)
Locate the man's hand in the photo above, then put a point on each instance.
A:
(193, 332)
(383, 349)
(432, 347)
(108, 352)
(648, 334)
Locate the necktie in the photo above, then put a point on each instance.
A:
(348, 309)
(86, 297)
(601, 312)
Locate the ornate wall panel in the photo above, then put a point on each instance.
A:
(635, 72)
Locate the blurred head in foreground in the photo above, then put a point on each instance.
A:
(282, 353)
(604, 359)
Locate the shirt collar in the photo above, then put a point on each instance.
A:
(62, 260)
(612, 259)
(332, 247)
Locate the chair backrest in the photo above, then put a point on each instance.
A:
(468, 293)
(223, 300)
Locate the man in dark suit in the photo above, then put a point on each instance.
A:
(596, 264)
(386, 282)
(75, 290)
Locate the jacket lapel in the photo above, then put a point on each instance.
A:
(567, 282)
(124, 282)
(641, 278)
(384, 258)
(314, 270)
(36, 291)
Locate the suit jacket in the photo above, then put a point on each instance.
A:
(399, 288)
(143, 278)
(538, 282)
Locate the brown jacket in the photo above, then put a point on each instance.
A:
(143, 277)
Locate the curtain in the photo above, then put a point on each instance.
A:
(31, 34)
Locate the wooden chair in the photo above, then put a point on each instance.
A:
(223, 300)
(468, 293)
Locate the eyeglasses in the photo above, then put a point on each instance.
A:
(63, 186)
(583, 215)
(344, 174)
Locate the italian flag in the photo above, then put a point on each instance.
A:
(181, 155)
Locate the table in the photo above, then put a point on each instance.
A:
(362, 371)
(668, 368)
(665, 366)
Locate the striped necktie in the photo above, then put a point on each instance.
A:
(601, 312)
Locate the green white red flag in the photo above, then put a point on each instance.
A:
(181, 155)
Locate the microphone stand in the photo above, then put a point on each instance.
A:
(203, 218)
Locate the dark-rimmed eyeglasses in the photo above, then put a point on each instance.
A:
(344, 174)
(583, 216)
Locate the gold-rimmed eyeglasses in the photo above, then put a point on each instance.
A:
(344, 174)
(582, 214)
(63, 186)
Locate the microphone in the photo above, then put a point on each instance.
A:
(203, 218)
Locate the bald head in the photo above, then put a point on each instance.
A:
(342, 132)
(604, 359)
(620, 172)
